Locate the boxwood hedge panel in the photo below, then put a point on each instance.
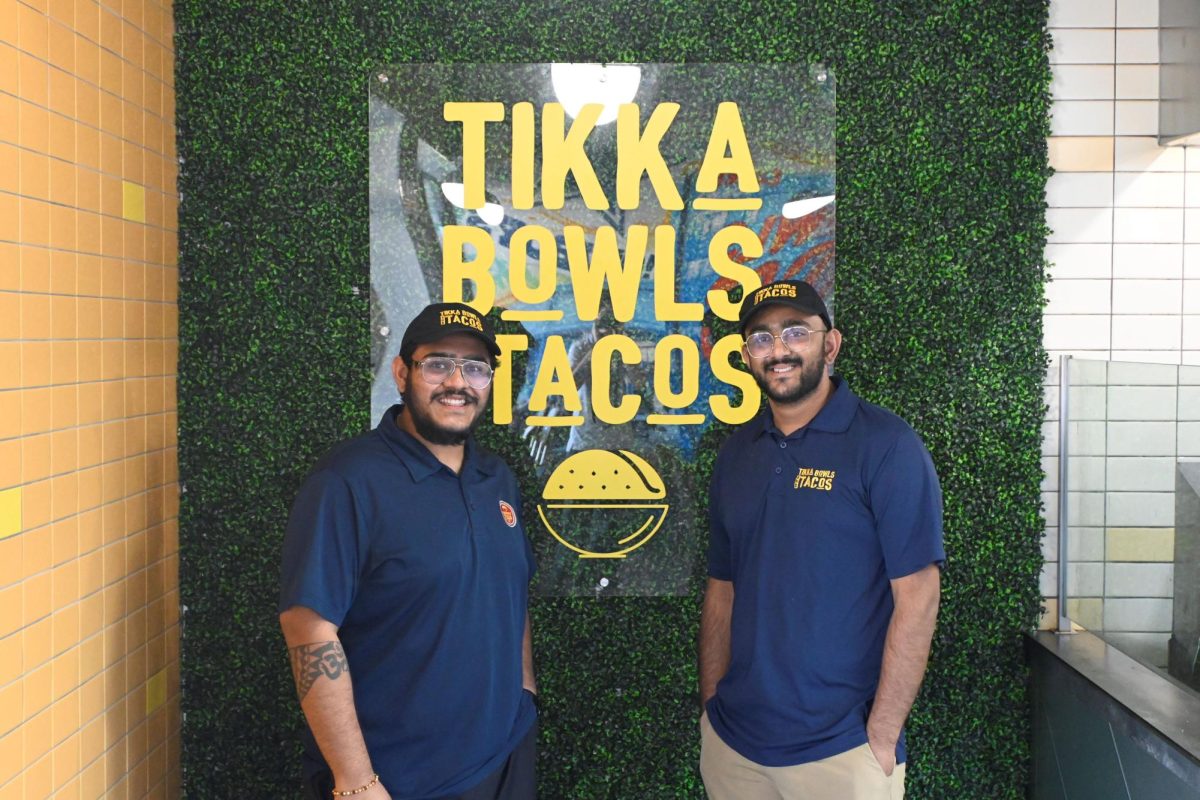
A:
(942, 119)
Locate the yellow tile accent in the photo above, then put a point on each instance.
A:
(10, 512)
(1080, 153)
(156, 691)
(133, 205)
(1140, 544)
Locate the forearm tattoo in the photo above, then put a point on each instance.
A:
(311, 661)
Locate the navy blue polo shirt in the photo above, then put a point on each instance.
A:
(426, 574)
(810, 528)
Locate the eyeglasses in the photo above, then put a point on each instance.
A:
(761, 344)
(437, 370)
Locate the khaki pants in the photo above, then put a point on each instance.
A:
(853, 775)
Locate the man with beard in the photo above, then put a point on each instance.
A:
(824, 571)
(404, 591)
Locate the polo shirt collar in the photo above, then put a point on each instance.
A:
(416, 456)
(834, 417)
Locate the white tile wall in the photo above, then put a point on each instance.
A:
(1083, 13)
(1136, 118)
(1084, 46)
(1137, 82)
(1136, 225)
(1085, 224)
(1141, 438)
(1078, 296)
(1071, 260)
(1192, 223)
(1189, 403)
(1121, 373)
(1077, 332)
(1137, 614)
(1149, 356)
(1148, 189)
(1145, 297)
(1191, 296)
(1191, 197)
(1083, 82)
(1141, 473)
(1085, 544)
(1146, 260)
(1161, 332)
(1137, 45)
(1124, 259)
(1087, 473)
(1086, 509)
(1085, 579)
(1191, 332)
(1087, 438)
(1191, 261)
(1083, 189)
(1142, 154)
(1139, 580)
(1189, 443)
(1137, 13)
(1082, 118)
(1138, 403)
(1139, 509)
(1087, 403)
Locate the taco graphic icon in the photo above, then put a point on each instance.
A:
(603, 503)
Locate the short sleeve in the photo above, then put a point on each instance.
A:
(906, 502)
(324, 549)
(530, 559)
(719, 559)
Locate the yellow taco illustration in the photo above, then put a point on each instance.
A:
(603, 503)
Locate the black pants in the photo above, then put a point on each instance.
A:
(516, 779)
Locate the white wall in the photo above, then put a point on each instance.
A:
(1125, 266)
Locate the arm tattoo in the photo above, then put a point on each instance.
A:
(311, 661)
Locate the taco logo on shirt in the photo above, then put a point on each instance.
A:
(809, 478)
(509, 515)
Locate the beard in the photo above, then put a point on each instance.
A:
(810, 379)
(429, 429)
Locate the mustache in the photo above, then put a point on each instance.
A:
(796, 361)
(468, 399)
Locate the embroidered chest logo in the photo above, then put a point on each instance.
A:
(809, 478)
(510, 516)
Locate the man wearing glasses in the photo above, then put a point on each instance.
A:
(824, 575)
(404, 591)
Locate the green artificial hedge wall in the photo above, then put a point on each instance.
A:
(941, 126)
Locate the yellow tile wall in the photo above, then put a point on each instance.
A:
(89, 595)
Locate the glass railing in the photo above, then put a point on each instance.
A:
(1128, 459)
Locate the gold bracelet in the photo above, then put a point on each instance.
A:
(374, 780)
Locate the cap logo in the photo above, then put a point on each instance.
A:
(510, 516)
(460, 317)
(782, 290)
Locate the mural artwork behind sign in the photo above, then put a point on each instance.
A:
(610, 218)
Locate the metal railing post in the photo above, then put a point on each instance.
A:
(1064, 464)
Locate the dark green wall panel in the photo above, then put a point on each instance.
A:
(942, 119)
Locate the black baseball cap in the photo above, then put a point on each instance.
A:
(800, 295)
(439, 320)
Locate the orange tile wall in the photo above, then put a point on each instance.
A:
(89, 597)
